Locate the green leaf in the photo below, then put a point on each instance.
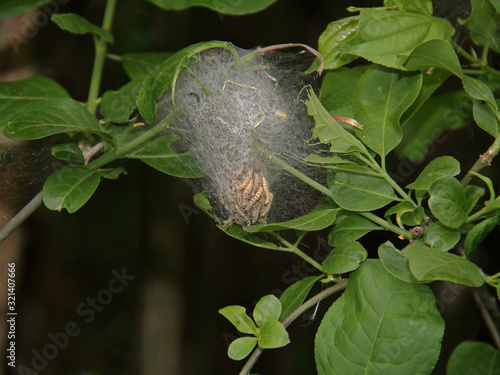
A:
(70, 187)
(117, 106)
(472, 195)
(447, 201)
(441, 238)
(139, 64)
(268, 308)
(328, 131)
(233, 7)
(440, 167)
(315, 220)
(395, 262)
(350, 229)
(14, 95)
(295, 295)
(41, 119)
(407, 213)
(484, 24)
(111, 173)
(380, 325)
(163, 77)
(477, 358)
(10, 8)
(436, 53)
(479, 233)
(78, 25)
(67, 149)
(336, 33)
(480, 91)
(273, 335)
(241, 347)
(486, 117)
(356, 192)
(380, 114)
(417, 6)
(430, 265)
(388, 37)
(345, 258)
(159, 155)
(238, 317)
(425, 128)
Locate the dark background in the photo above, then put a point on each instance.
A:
(165, 320)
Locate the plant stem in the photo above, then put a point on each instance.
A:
(490, 324)
(294, 315)
(483, 161)
(385, 224)
(100, 55)
(475, 60)
(294, 249)
(22, 215)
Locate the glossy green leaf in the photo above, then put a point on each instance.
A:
(345, 258)
(268, 308)
(381, 97)
(441, 238)
(78, 25)
(238, 317)
(233, 7)
(425, 128)
(10, 8)
(417, 6)
(474, 358)
(295, 295)
(447, 201)
(430, 265)
(440, 167)
(479, 90)
(315, 220)
(484, 24)
(273, 335)
(328, 131)
(395, 263)
(111, 173)
(67, 149)
(41, 119)
(380, 325)
(163, 77)
(159, 155)
(477, 234)
(336, 33)
(486, 117)
(241, 347)
(139, 64)
(117, 106)
(356, 192)
(16, 94)
(350, 229)
(435, 53)
(388, 37)
(472, 196)
(407, 213)
(70, 187)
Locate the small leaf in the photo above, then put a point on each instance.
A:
(355, 192)
(476, 358)
(159, 155)
(417, 6)
(241, 347)
(429, 265)
(139, 64)
(350, 229)
(315, 220)
(273, 335)
(441, 238)
(268, 308)
(483, 24)
(436, 53)
(336, 33)
(486, 117)
(78, 25)
(395, 262)
(70, 188)
(436, 169)
(479, 233)
(345, 258)
(111, 173)
(233, 7)
(447, 201)
(407, 213)
(67, 149)
(295, 294)
(117, 106)
(472, 195)
(41, 119)
(479, 90)
(238, 317)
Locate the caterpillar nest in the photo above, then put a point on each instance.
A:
(231, 104)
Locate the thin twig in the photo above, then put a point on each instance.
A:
(483, 161)
(490, 324)
(294, 315)
(22, 215)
